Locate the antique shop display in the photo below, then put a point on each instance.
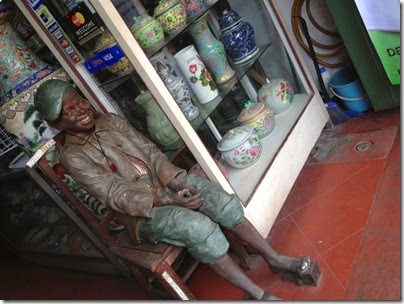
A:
(160, 128)
(123, 66)
(148, 32)
(171, 14)
(21, 72)
(277, 94)
(237, 36)
(259, 116)
(240, 147)
(196, 74)
(211, 50)
(180, 91)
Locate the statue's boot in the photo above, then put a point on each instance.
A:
(299, 267)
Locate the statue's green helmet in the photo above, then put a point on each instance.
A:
(48, 98)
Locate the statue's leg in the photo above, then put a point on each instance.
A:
(298, 270)
(204, 240)
(229, 270)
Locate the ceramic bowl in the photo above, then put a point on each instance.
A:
(148, 32)
(123, 66)
(240, 147)
(259, 117)
(276, 94)
(171, 14)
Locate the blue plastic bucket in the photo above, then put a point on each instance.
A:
(347, 87)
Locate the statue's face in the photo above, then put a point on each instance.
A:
(77, 115)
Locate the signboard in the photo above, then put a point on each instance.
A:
(58, 34)
(83, 24)
(104, 58)
(382, 21)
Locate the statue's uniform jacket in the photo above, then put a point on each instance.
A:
(129, 192)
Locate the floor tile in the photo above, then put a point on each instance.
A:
(372, 121)
(314, 180)
(340, 212)
(287, 239)
(377, 275)
(207, 285)
(341, 258)
(369, 177)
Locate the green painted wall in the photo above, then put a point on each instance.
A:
(381, 93)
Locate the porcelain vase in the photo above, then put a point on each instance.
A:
(196, 74)
(158, 125)
(22, 72)
(211, 50)
(179, 89)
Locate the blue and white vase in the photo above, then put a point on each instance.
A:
(237, 36)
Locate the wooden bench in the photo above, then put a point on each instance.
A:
(162, 269)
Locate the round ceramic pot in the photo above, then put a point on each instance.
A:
(277, 94)
(148, 32)
(240, 147)
(171, 14)
(259, 117)
(120, 68)
(238, 37)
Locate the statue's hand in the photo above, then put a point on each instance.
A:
(179, 184)
(185, 198)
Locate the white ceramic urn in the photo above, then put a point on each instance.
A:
(277, 94)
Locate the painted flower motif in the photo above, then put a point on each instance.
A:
(149, 35)
(193, 68)
(254, 151)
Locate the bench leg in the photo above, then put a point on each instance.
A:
(173, 283)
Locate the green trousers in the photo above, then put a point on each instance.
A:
(199, 231)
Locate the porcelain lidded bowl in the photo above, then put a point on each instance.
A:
(240, 147)
(276, 94)
(171, 14)
(259, 117)
(123, 66)
(148, 32)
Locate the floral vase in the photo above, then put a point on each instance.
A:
(196, 74)
(158, 125)
(211, 50)
(179, 89)
(22, 72)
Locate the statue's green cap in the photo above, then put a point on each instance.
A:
(48, 98)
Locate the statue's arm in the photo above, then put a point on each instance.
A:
(132, 198)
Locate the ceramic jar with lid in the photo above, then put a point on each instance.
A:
(171, 14)
(123, 66)
(240, 147)
(276, 94)
(259, 117)
(148, 32)
(237, 36)
(179, 89)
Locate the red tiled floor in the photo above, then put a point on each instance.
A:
(344, 212)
